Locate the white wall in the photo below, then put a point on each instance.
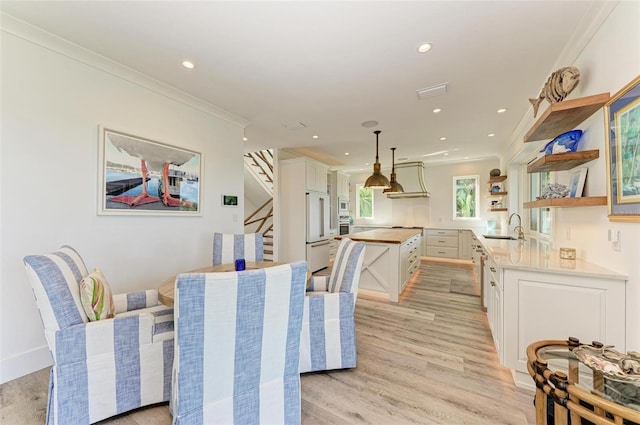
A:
(608, 61)
(52, 104)
(437, 210)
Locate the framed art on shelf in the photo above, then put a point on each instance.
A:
(138, 176)
(577, 178)
(622, 134)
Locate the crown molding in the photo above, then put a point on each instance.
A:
(30, 33)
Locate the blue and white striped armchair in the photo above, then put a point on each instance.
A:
(328, 339)
(236, 346)
(229, 247)
(105, 367)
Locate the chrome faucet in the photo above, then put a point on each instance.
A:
(519, 227)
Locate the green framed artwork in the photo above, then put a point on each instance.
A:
(622, 128)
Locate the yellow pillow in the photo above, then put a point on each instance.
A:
(96, 297)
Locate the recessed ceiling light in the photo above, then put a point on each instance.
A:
(366, 163)
(188, 64)
(466, 157)
(501, 110)
(346, 153)
(315, 136)
(369, 124)
(437, 110)
(491, 134)
(443, 138)
(245, 139)
(424, 48)
(446, 154)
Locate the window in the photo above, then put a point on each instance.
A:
(539, 218)
(465, 197)
(364, 202)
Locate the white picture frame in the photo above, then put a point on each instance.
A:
(577, 177)
(123, 160)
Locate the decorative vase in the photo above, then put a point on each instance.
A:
(495, 172)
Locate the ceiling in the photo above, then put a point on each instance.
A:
(334, 65)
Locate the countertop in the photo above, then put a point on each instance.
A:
(532, 255)
(396, 236)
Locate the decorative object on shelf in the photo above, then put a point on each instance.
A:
(622, 118)
(558, 86)
(576, 182)
(566, 142)
(377, 180)
(144, 177)
(394, 186)
(494, 172)
(609, 362)
(568, 253)
(555, 190)
(495, 188)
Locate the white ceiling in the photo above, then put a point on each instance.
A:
(333, 65)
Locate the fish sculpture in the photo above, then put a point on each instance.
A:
(566, 142)
(558, 86)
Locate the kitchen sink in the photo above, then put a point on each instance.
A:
(510, 238)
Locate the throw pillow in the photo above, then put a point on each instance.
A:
(96, 296)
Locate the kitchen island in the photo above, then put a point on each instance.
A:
(391, 258)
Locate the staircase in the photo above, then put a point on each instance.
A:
(260, 165)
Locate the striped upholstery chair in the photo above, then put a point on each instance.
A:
(105, 367)
(227, 247)
(328, 339)
(236, 346)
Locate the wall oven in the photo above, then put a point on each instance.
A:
(343, 225)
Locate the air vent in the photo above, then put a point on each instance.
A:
(432, 91)
(294, 126)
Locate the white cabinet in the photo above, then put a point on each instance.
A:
(493, 288)
(464, 245)
(539, 306)
(409, 259)
(342, 185)
(442, 243)
(296, 177)
(316, 176)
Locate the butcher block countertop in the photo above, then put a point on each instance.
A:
(383, 235)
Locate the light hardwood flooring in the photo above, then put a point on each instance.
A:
(429, 359)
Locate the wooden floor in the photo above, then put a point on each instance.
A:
(427, 360)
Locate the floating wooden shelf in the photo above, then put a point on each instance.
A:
(562, 161)
(497, 209)
(497, 193)
(564, 116)
(497, 179)
(590, 201)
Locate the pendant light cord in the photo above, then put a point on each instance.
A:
(377, 157)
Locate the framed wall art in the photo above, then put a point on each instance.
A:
(622, 128)
(138, 176)
(577, 177)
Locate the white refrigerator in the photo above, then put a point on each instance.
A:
(317, 230)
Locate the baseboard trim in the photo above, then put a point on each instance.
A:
(25, 363)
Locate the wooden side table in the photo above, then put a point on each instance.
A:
(557, 373)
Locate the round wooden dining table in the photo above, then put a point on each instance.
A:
(166, 290)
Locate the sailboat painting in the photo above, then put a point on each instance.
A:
(141, 176)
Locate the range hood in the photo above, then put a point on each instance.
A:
(411, 176)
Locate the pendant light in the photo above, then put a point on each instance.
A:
(394, 186)
(376, 180)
